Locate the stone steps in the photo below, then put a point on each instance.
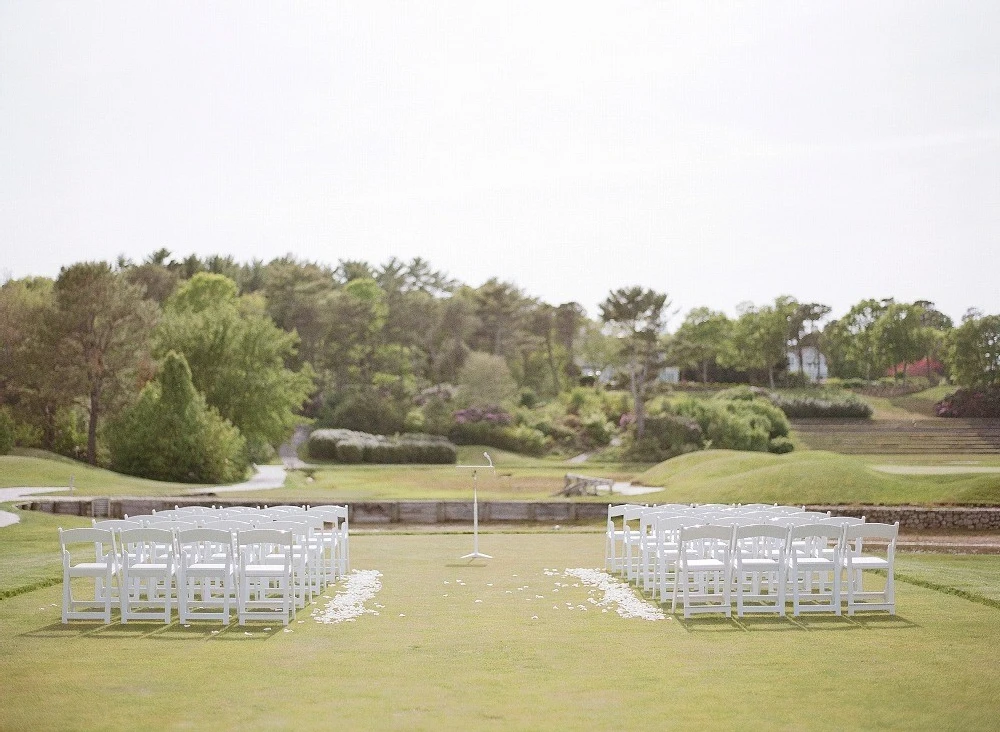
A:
(914, 437)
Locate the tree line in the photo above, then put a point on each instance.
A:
(241, 351)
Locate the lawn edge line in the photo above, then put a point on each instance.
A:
(25, 589)
(948, 590)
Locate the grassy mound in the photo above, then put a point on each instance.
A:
(43, 469)
(811, 476)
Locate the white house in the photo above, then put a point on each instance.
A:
(813, 364)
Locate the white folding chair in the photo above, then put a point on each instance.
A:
(814, 563)
(614, 537)
(759, 568)
(265, 586)
(206, 575)
(855, 562)
(631, 540)
(147, 571)
(703, 570)
(334, 538)
(103, 569)
(666, 550)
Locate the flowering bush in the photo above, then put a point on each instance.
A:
(975, 402)
(490, 415)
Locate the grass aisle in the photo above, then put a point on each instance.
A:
(435, 657)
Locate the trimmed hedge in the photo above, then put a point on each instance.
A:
(347, 446)
(848, 406)
(976, 402)
(801, 405)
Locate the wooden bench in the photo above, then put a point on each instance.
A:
(585, 485)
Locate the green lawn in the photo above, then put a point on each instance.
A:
(45, 469)
(810, 476)
(435, 658)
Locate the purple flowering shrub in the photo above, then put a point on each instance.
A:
(975, 402)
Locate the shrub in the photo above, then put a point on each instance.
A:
(598, 430)
(845, 406)
(780, 445)
(743, 393)
(350, 451)
(729, 424)
(351, 447)
(975, 402)
(367, 412)
(415, 420)
(7, 430)
(521, 439)
(665, 437)
(170, 433)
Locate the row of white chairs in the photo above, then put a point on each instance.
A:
(708, 557)
(266, 563)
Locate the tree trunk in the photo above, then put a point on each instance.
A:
(95, 399)
(770, 375)
(552, 363)
(704, 371)
(638, 406)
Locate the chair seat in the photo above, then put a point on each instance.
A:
(205, 568)
(813, 563)
(758, 563)
(700, 565)
(868, 563)
(265, 570)
(89, 569)
(143, 568)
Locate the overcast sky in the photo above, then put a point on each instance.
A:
(718, 152)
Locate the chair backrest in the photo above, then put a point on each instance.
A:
(816, 514)
(785, 510)
(151, 544)
(188, 536)
(204, 544)
(102, 540)
(85, 535)
(813, 539)
(795, 519)
(156, 535)
(842, 521)
(768, 531)
(887, 532)
(760, 540)
(739, 520)
(181, 510)
(706, 531)
(116, 524)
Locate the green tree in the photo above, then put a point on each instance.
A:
(237, 358)
(30, 382)
(760, 337)
(636, 317)
(900, 336)
(103, 326)
(974, 351)
(700, 339)
(172, 434)
(485, 380)
(936, 328)
(501, 308)
(852, 343)
(803, 330)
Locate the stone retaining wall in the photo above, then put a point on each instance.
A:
(362, 512)
(912, 518)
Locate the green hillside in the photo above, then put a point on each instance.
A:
(810, 476)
